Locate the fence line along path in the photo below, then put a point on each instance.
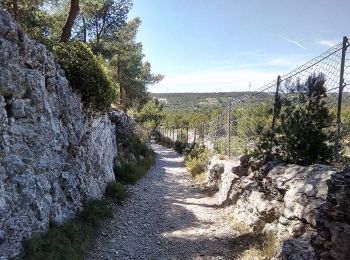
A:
(238, 126)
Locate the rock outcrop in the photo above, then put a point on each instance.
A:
(278, 198)
(53, 155)
(333, 224)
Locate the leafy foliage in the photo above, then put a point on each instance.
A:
(43, 26)
(128, 68)
(99, 21)
(196, 159)
(86, 74)
(190, 102)
(304, 133)
(102, 25)
(150, 116)
(135, 143)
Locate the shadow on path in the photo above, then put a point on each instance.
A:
(166, 217)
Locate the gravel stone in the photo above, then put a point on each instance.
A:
(167, 218)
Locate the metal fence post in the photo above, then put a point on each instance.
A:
(216, 133)
(340, 97)
(229, 129)
(202, 129)
(276, 104)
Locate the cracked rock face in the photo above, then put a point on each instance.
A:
(333, 226)
(281, 199)
(53, 156)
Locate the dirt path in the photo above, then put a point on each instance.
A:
(166, 217)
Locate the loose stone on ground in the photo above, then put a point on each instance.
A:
(166, 217)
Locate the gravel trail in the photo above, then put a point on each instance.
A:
(166, 217)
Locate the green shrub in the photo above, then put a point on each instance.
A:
(66, 241)
(179, 147)
(304, 133)
(196, 160)
(136, 146)
(129, 173)
(70, 239)
(197, 165)
(86, 74)
(116, 191)
(94, 211)
(165, 141)
(305, 124)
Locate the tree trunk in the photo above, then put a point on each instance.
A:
(15, 9)
(195, 133)
(97, 32)
(187, 140)
(73, 13)
(84, 29)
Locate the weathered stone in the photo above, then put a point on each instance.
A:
(216, 171)
(333, 225)
(281, 199)
(297, 249)
(51, 83)
(17, 108)
(244, 159)
(53, 155)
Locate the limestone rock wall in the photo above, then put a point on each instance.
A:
(333, 226)
(53, 155)
(274, 198)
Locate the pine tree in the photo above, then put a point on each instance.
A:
(304, 136)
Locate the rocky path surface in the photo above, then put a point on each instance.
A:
(166, 217)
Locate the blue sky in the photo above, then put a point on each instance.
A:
(222, 45)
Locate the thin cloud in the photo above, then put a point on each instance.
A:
(269, 62)
(288, 61)
(294, 42)
(327, 43)
(230, 77)
(217, 80)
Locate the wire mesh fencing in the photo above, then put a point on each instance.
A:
(236, 129)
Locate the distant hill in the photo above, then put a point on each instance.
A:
(199, 101)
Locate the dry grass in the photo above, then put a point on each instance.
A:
(251, 245)
(200, 178)
(264, 248)
(241, 227)
(238, 226)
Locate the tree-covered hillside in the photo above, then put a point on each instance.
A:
(199, 101)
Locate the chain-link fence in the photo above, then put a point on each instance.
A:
(236, 128)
